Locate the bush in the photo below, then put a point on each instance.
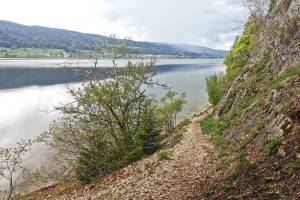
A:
(93, 161)
(272, 145)
(215, 86)
(171, 105)
(110, 124)
(150, 131)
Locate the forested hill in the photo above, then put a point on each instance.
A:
(13, 35)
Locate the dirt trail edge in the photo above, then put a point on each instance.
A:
(152, 178)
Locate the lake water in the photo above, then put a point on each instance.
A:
(26, 108)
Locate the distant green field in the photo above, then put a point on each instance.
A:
(60, 53)
(42, 53)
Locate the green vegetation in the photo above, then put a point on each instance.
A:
(32, 53)
(241, 160)
(264, 84)
(207, 124)
(236, 60)
(171, 105)
(276, 82)
(239, 54)
(83, 44)
(113, 123)
(272, 5)
(164, 155)
(149, 132)
(215, 128)
(272, 145)
(215, 88)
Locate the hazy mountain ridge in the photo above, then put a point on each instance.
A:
(13, 35)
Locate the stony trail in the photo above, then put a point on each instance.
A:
(152, 178)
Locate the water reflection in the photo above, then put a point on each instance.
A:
(26, 112)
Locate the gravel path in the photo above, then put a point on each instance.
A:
(152, 178)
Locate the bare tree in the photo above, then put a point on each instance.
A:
(257, 8)
(11, 166)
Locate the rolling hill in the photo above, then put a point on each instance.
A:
(13, 35)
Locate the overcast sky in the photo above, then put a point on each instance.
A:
(209, 23)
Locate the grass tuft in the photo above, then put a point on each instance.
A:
(272, 145)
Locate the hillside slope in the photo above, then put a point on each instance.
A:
(21, 36)
(256, 126)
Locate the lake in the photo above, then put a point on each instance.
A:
(30, 89)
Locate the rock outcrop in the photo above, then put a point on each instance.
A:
(264, 100)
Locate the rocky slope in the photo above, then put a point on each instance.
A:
(259, 116)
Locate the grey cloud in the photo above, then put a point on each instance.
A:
(201, 22)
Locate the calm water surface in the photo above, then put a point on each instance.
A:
(27, 111)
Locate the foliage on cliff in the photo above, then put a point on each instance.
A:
(256, 126)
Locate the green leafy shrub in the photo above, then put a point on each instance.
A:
(239, 54)
(215, 86)
(150, 131)
(272, 145)
(110, 124)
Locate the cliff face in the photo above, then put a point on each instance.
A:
(269, 84)
(259, 116)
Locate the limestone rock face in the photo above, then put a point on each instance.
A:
(276, 92)
(259, 116)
